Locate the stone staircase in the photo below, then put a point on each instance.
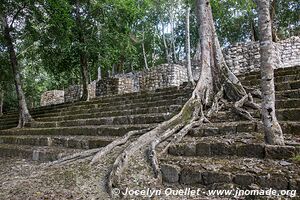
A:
(230, 152)
(61, 130)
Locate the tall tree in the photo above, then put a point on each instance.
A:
(188, 46)
(272, 129)
(82, 53)
(9, 18)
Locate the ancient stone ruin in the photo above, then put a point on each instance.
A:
(245, 57)
(163, 76)
(241, 58)
(52, 97)
(74, 92)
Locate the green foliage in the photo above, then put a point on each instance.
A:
(46, 36)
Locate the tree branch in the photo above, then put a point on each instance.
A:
(16, 15)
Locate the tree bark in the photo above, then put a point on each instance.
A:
(144, 52)
(254, 35)
(272, 129)
(165, 42)
(188, 47)
(175, 60)
(24, 115)
(273, 21)
(99, 75)
(1, 101)
(83, 55)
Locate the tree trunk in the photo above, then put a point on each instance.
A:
(1, 101)
(254, 35)
(188, 46)
(99, 76)
(144, 52)
(273, 21)
(83, 55)
(175, 60)
(24, 115)
(272, 129)
(165, 43)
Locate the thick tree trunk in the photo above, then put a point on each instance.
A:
(24, 115)
(272, 129)
(83, 55)
(188, 47)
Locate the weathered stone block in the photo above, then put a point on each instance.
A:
(246, 127)
(170, 173)
(203, 149)
(251, 150)
(183, 150)
(115, 85)
(216, 177)
(190, 176)
(244, 179)
(210, 131)
(274, 181)
(52, 97)
(222, 149)
(280, 152)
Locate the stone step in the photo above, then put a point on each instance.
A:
(8, 126)
(78, 142)
(103, 130)
(288, 103)
(288, 94)
(223, 128)
(232, 128)
(217, 173)
(288, 114)
(35, 153)
(292, 114)
(178, 98)
(279, 86)
(277, 73)
(139, 107)
(115, 100)
(215, 147)
(114, 113)
(119, 120)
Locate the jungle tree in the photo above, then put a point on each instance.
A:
(13, 15)
(272, 129)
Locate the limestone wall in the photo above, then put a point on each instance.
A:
(162, 76)
(52, 97)
(245, 57)
(114, 85)
(74, 92)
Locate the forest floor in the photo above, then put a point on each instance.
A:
(27, 180)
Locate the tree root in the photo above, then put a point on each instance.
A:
(152, 139)
(151, 153)
(75, 157)
(104, 151)
(246, 100)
